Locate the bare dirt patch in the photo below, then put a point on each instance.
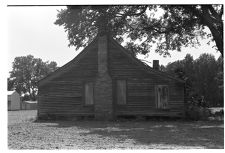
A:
(21, 116)
(114, 135)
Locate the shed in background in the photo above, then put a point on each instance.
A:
(13, 100)
(29, 105)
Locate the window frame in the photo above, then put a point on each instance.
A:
(84, 93)
(117, 91)
(160, 106)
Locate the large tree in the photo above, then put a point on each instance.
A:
(205, 73)
(219, 79)
(204, 76)
(147, 27)
(183, 69)
(26, 72)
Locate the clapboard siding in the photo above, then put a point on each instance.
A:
(87, 67)
(64, 95)
(141, 87)
(118, 65)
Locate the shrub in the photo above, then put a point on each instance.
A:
(197, 109)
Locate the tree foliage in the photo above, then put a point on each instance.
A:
(10, 83)
(203, 77)
(147, 27)
(26, 72)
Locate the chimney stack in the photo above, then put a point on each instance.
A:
(103, 85)
(156, 64)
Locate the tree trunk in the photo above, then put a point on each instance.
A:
(217, 37)
(209, 21)
(213, 20)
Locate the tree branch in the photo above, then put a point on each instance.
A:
(214, 13)
(140, 13)
(133, 14)
(208, 21)
(166, 31)
(221, 12)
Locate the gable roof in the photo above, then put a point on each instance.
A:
(9, 93)
(30, 102)
(145, 67)
(74, 61)
(68, 65)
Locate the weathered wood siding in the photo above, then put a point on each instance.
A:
(64, 94)
(141, 87)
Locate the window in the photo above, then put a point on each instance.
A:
(121, 92)
(89, 93)
(162, 96)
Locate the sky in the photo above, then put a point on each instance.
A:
(31, 30)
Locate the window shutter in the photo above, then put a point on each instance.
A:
(121, 92)
(89, 93)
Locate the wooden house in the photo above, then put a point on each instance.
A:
(106, 81)
(13, 100)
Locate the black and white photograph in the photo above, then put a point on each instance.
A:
(115, 76)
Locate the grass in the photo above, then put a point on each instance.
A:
(25, 134)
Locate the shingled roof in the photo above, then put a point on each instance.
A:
(70, 64)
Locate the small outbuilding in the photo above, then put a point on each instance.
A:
(29, 105)
(13, 100)
(105, 81)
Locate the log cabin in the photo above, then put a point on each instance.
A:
(106, 81)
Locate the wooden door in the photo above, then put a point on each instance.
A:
(162, 96)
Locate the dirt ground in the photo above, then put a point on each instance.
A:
(23, 133)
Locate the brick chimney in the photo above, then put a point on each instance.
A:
(156, 64)
(103, 84)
